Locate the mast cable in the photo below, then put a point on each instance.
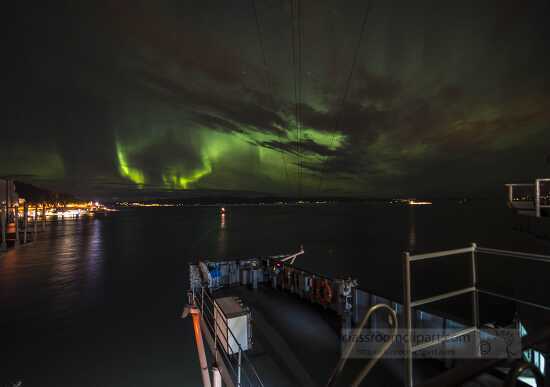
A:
(268, 78)
(347, 86)
(297, 59)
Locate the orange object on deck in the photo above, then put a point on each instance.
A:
(326, 297)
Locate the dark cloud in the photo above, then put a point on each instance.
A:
(305, 147)
(444, 97)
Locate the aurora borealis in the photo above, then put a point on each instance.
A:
(122, 98)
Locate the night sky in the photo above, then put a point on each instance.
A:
(125, 98)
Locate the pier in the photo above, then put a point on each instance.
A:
(20, 219)
(23, 217)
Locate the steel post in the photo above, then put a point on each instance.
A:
(25, 222)
(7, 201)
(202, 300)
(16, 220)
(475, 300)
(3, 226)
(407, 316)
(239, 368)
(216, 377)
(537, 197)
(43, 216)
(35, 224)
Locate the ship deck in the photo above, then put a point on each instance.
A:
(296, 343)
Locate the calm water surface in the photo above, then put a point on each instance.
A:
(97, 302)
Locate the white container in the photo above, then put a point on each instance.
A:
(229, 314)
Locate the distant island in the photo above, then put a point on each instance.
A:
(34, 194)
(277, 200)
(233, 200)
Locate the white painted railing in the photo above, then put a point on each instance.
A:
(242, 372)
(473, 288)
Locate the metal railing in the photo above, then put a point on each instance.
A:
(526, 192)
(540, 202)
(378, 355)
(240, 369)
(537, 199)
(408, 304)
(474, 289)
(517, 255)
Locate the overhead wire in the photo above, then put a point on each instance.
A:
(268, 77)
(297, 59)
(347, 87)
(300, 86)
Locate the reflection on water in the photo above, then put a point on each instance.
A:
(8, 272)
(94, 258)
(105, 294)
(412, 230)
(222, 236)
(222, 221)
(63, 280)
(77, 260)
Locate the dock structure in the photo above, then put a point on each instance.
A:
(3, 226)
(35, 223)
(22, 218)
(16, 221)
(19, 218)
(8, 199)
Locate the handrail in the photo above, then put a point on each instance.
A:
(209, 323)
(509, 298)
(449, 337)
(214, 333)
(439, 254)
(226, 338)
(211, 328)
(514, 254)
(295, 268)
(344, 358)
(211, 314)
(408, 303)
(240, 350)
(442, 297)
(228, 329)
(224, 353)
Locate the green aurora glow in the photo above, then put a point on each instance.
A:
(156, 97)
(135, 175)
(220, 153)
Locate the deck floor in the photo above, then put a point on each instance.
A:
(297, 343)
